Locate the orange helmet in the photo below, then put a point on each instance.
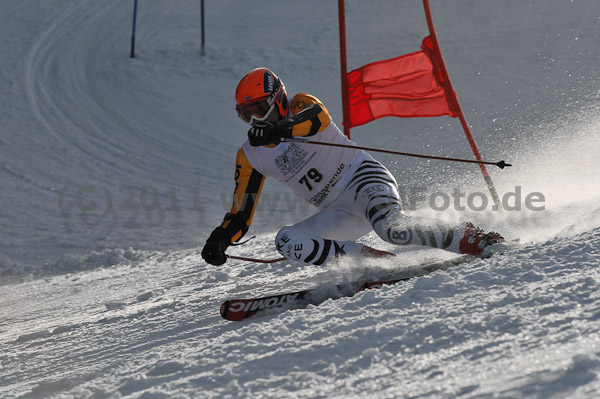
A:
(261, 96)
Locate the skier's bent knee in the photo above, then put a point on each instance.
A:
(282, 239)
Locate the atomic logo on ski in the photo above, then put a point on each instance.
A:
(239, 309)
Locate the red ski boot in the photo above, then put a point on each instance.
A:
(476, 242)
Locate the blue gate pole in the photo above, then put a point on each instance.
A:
(203, 52)
(133, 29)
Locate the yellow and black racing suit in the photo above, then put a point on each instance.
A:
(309, 117)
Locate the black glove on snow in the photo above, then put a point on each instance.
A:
(265, 133)
(214, 249)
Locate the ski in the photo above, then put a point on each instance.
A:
(240, 309)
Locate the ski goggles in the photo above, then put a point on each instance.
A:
(256, 110)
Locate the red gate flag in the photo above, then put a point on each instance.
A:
(407, 86)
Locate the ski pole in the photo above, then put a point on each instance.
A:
(500, 164)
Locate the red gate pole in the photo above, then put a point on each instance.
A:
(344, 68)
(451, 96)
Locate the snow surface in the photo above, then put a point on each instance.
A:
(115, 170)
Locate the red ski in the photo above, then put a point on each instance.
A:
(240, 309)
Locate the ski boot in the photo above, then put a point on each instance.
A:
(478, 243)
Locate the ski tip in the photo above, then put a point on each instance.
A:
(224, 309)
(236, 310)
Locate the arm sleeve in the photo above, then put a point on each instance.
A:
(248, 187)
(309, 115)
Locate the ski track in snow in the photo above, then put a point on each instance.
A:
(513, 329)
(117, 302)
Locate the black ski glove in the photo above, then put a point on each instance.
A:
(265, 133)
(214, 249)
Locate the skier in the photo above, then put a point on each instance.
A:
(355, 193)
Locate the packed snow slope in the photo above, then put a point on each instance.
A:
(115, 170)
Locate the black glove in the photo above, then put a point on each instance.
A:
(214, 249)
(265, 133)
